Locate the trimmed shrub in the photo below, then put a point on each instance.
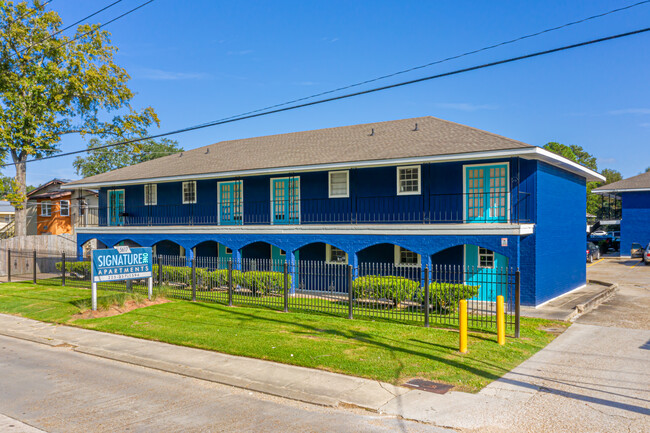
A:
(444, 297)
(262, 282)
(79, 269)
(396, 289)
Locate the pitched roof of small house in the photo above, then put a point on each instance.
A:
(6, 207)
(383, 141)
(639, 182)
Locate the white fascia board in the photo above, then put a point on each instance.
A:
(536, 153)
(617, 190)
(369, 229)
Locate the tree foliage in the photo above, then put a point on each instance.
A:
(55, 85)
(102, 160)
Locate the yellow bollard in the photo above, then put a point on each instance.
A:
(462, 325)
(501, 322)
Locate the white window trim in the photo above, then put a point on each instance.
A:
(328, 256)
(49, 208)
(508, 191)
(478, 258)
(271, 197)
(397, 256)
(241, 188)
(61, 208)
(347, 184)
(419, 191)
(154, 202)
(196, 193)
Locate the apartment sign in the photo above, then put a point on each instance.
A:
(121, 263)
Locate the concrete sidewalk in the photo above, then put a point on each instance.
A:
(581, 367)
(573, 304)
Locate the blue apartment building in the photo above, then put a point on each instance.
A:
(634, 195)
(413, 193)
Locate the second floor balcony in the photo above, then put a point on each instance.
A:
(514, 208)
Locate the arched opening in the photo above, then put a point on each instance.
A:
(321, 268)
(128, 243)
(168, 248)
(212, 255)
(389, 259)
(263, 256)
(91, 244)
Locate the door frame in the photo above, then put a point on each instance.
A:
(241, 182)
(108, 208)
(272, 199)
(465, 166)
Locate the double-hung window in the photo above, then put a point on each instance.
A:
(339, 184)
(404, 257)
(46, 208)
(64, 208)
(189, 192)
(336, 255)
(150, 194)
(408, 180)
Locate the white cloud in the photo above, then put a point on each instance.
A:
(631, 111)
(607, 161)
(466, 106)
(159, 74)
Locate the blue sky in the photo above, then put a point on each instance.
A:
(196, 61)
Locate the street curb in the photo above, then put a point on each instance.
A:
(52, 342)
(596, 300)
(211, 376)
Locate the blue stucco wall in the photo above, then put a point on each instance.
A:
(559, 242)
(635, 221)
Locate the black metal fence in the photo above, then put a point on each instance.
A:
(379, 291)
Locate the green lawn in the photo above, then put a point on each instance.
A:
(378, 350)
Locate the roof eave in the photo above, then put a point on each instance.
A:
(527, 153)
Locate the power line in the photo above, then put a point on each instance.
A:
(437, 62)
(72, 25)
(107, 23)
(351, 95)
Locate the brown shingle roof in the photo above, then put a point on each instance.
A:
(641, 181)
(392, 139)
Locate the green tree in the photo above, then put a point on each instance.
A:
(53, 85)
(647, 169)
(103, 160)
(581, 156)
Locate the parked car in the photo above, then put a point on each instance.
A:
(599, 233)
(646, 255)
(637, 251)
(593, 252)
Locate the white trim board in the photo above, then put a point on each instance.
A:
(616, 190)
(534, 153)
(370, 229)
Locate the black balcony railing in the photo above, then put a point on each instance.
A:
(411, 209)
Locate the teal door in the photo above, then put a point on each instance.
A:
(488, 270)
(278, 258)
(116, 207)
(231, 203)
(486, 193)
(285, 200)
(225, 254)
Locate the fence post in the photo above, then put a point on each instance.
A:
(63, 268)
(34, 267)
(350, 298)
(286, 287)
(426, 296)
(193, 280)
(160, 271)
(230, 283)
(9, 265)
(517, 302)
